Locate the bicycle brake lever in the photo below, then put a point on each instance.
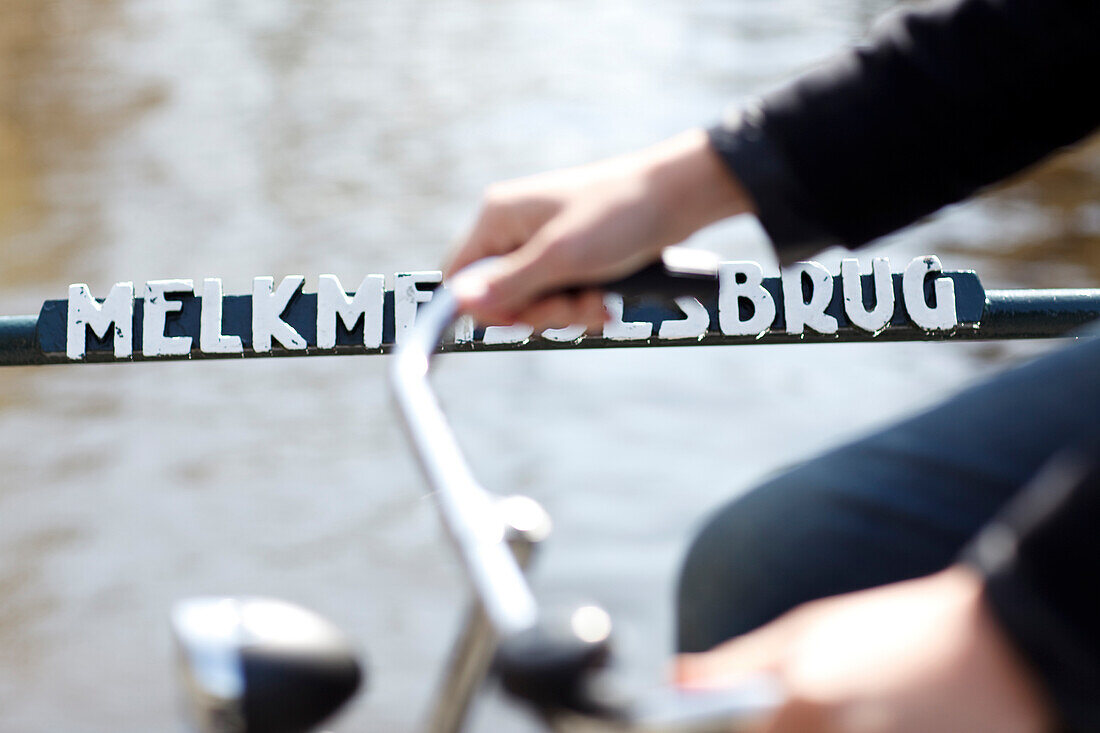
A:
(551, 665)
(559, 668)
(731, 710)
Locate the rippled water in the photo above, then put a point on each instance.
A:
(141, 140)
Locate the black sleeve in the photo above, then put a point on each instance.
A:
(943, 100)
(1041, 563)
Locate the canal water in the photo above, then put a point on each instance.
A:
(143, 140)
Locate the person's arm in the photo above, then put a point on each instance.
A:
(1040, 560)
(1008, 639)
(920, 655)
(945, 98)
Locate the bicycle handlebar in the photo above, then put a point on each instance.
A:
(477, 530)
(548, 667)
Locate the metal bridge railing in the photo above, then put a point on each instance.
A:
(170, 320)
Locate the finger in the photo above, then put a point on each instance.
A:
(489, 236)
(566, 309)
(470, 287)
(591, 311)
(556, 311)
(803, 716)
(759, 652)
(505, 287)
(475, 247)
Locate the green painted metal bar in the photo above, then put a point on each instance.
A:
(1014, 314)
(1007, 314)
(19, 341)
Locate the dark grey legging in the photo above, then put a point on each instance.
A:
(897, 505)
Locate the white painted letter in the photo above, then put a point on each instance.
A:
(616, 328)
(463, 331)
(211, 339)
(565, 335)
(84, 312)
(517, 333)
(875, 319)
(157, 307)
(940, 318)
(406, 296)
(267, 313)
(693, 327)
(800, 313)
(331, 301)
(737, 280)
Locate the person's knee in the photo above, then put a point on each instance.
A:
(728, 582)
(819, 530)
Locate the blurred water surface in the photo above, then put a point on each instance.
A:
(191, 138)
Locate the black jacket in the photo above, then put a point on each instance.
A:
(944, 99)
(941, 101)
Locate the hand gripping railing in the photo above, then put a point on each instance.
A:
(552, 663)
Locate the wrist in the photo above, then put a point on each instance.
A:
(691, 184)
